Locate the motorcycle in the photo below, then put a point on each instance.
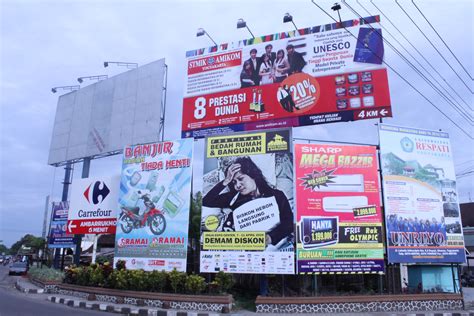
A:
(153, 217)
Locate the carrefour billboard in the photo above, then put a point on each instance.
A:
(422, 214)
(322, 74)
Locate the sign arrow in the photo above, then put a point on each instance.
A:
(70, 226)
(383, 112)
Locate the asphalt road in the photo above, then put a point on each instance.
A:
(13, 303)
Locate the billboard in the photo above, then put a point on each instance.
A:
(324, 74)
(94, 204)
(58, 236)
(339, 221)
(422, 212)
(154, 201)
(108, 115)
(247, 223)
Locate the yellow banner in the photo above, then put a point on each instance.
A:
(248, 144)
(234, 241)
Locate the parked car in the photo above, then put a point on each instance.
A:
(18, 268)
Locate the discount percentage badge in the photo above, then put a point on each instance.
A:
(302, 93)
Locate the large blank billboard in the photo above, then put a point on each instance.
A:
(108, 115)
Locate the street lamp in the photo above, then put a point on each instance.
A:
(120, 63)
(337, 7)
(201, 32)
(289, 18)
(241, 24)
(97, 77)
(71, 88)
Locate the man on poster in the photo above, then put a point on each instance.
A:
(295, 60)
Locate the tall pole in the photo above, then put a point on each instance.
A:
(66, 183)
(86, 164)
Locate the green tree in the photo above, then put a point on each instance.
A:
(28, 240)
(4, 249)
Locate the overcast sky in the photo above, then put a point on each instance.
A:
(50, 43)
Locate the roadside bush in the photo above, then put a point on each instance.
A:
(97, 277)
(157, 281)
(46, 274)
(71, 274)
(223, 282)
(177, 280)
(84, 276)
(117, 280)
(137, 280)
(195, 284)
(120, 265)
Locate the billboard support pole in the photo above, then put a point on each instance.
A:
(67, 181)
(86, 164)
(161, 130)
(94, 249)
(45, 217)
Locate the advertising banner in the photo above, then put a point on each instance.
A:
(422, 212)
(58, 236)
(94, 204)
(154, 200)
(339, 221)
(247, 223)
(324, 74)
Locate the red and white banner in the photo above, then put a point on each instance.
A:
(299, 100)
(94, 205)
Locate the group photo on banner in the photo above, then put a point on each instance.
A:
(422, 213)
(324, 74)
(154, 201)
(248, 206)
(339, 219)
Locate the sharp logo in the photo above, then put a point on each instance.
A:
(96, 190)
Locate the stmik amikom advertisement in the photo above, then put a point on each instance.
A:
(154, 201)
(339, 220)
(422, 213)
(323, 74)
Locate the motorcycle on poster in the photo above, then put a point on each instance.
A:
(154, 201)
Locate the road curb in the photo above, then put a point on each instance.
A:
(24, 289)
(77, 303)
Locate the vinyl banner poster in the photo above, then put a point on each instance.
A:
(58, 236)
(154, 201)
(339, 221)
(422, 212)
(94, 204)
(247, 223)
(324, 74)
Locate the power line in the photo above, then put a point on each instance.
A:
(432, 27)
(419, 53)
(457, 107)
(404, 58)
(398, 74)
(439, 53)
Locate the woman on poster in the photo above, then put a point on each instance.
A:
(281, 66)
(245, 182)
(246, 76)
(266, 70)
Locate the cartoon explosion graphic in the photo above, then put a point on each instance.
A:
(316, 179)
